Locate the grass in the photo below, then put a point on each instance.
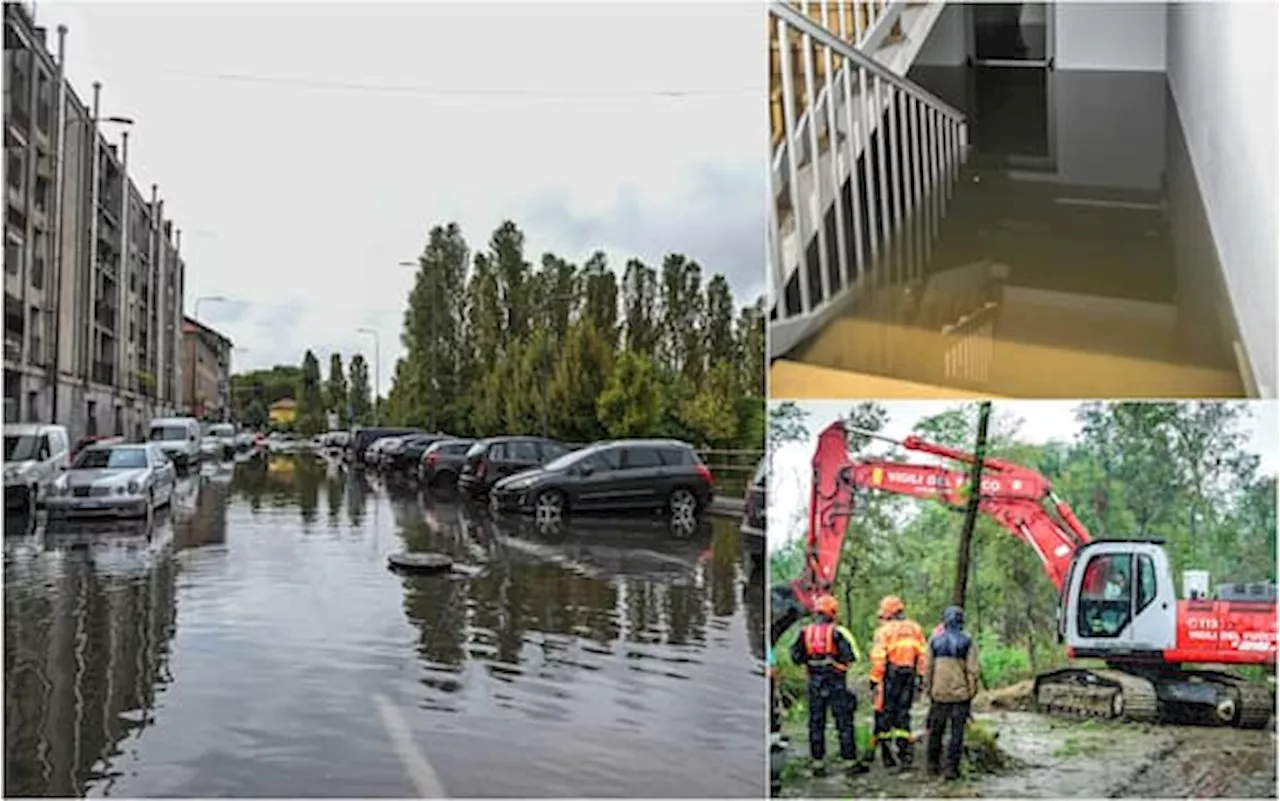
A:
(1079, 746)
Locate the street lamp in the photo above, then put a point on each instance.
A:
(195, 315)
(377, 372)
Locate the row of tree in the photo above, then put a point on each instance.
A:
(495, 346)
(1181, 472)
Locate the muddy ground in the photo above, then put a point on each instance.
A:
(1052, 758)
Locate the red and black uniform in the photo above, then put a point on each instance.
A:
(827, 651)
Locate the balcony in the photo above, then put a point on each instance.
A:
(12, 347)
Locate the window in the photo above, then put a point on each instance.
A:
(678, 457)
(33, 403)
(552, 450)
(1106, 596)
(642, 458)
(497, 452)
(1146, 582)
(523, 451)
(13, 169)
(111, 459)
(12, 256)
(20, 447)
(168, 433)
(607, 459)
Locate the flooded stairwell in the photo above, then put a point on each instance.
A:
(1065, 253)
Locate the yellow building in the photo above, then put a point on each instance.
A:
(283, 412)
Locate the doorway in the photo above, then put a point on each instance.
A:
(1011, 34)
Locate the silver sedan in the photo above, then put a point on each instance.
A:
(116, 480)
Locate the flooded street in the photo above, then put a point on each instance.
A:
(252, 642)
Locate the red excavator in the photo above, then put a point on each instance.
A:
(1117, 600)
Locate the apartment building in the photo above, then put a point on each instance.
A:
(93, 271)
(206, 362)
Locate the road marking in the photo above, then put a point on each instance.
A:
(420, 772)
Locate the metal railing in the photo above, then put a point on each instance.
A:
(866, 156)
(732, 469)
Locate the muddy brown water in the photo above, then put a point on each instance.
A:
(1056, 758)
(252, 642)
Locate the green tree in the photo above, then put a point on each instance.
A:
(359, 403)
(309, 397)
(631, 403)
(336, 390)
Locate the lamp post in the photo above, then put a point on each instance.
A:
(195, 315)
(377, 372)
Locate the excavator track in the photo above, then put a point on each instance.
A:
(1106, 694)
(1254, 703)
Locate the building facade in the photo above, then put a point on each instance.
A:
(93, 273)
(206, 362)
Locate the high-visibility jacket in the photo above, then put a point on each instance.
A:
(900, 643)
(825, 644)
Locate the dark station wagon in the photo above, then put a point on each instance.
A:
(490, 460)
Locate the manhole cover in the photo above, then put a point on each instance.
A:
(426, 562)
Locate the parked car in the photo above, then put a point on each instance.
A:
(489, 460)
(246, 441)
(283, 442)
(219, 441)
(180, 439)
(114, 480)
(623, 475)
(34, 455)
(373, 454)
(94, 439)
(442, 461)
(362, 438)
(405, 457)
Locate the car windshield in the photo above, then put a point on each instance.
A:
(762, 471)
(572, 457)
(168, 433)
(476, 451)
(111, 459)
(20, 447)
(222, 430)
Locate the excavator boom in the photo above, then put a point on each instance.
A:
(1018, 498)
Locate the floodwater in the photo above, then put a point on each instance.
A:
(1071, 257)
(252, 642)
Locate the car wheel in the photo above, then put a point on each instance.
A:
(682, 504)
(549, 506)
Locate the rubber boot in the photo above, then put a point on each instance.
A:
(819, 770)
(858, 766)
(951, 773)
(886, 755)
(906, 753)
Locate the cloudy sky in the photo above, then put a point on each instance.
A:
(305, 149)
(1041, 422)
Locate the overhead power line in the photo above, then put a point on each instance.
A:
(440, 91)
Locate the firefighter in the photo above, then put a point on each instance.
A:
(897, 669)
(826, 650)
(950, 682)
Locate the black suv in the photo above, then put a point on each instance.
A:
(493, 459)
(622, 475)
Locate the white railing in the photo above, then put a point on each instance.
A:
(852, 167)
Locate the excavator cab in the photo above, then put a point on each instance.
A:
(1119, 601)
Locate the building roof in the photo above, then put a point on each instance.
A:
(285, 403)
(192, 326)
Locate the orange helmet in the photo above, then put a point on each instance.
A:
(890, 605)
(826, 605)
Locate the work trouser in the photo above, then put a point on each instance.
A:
(827, 689)
(893, 718)
(941, 715)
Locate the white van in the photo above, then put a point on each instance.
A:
(179, 437)
(34, 455)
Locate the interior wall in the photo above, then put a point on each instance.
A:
(1222, 72)
(947, 45)
(1110, 36)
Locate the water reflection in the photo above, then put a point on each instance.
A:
(267, 632)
